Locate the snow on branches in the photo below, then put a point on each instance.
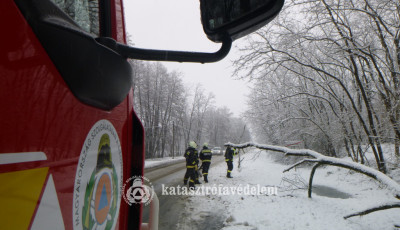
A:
(318, 159)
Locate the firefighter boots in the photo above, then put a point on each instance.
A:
(205, 178)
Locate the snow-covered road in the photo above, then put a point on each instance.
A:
(290, 208)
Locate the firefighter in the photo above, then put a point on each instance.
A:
(196, 168)
(229, 153)
(191, 156)
(205, 157)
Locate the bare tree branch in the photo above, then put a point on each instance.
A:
(374, 209)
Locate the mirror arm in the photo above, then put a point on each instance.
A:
(166, 55)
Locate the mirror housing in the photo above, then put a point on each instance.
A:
(223, 26)
(236, 18)
(57, 32)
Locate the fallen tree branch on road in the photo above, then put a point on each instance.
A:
(318, 159)
(299, 163)
(374, 209)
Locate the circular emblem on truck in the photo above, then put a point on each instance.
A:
(98, 179)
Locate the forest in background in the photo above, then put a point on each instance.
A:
(173, 113)
(326, 74)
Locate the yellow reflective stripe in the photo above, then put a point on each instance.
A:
(190, 167)
(191, 180)
(229, 171)
(206, 160)
(205, 173)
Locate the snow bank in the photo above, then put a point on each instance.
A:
(158, 162)
(317, 157)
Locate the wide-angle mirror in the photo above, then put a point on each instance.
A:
(236, 18)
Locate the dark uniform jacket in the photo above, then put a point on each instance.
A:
(205, 155)
(229, 152)
(191, 156)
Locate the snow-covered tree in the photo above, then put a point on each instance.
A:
(326, 74)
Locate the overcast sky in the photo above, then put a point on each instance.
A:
(175, 25)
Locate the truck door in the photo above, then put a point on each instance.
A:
(69, 137)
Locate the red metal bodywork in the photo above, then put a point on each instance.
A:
(40, 114)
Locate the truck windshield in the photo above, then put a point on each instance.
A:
(84, 13)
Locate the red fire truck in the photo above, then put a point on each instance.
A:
(69, 137)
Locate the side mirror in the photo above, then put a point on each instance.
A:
(236, 18)
(223, 21)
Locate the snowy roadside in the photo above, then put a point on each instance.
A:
(290, 208)
(158, 162)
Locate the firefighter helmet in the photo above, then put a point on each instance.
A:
(192, 144)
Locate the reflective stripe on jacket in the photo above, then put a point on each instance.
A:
(205, 155)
